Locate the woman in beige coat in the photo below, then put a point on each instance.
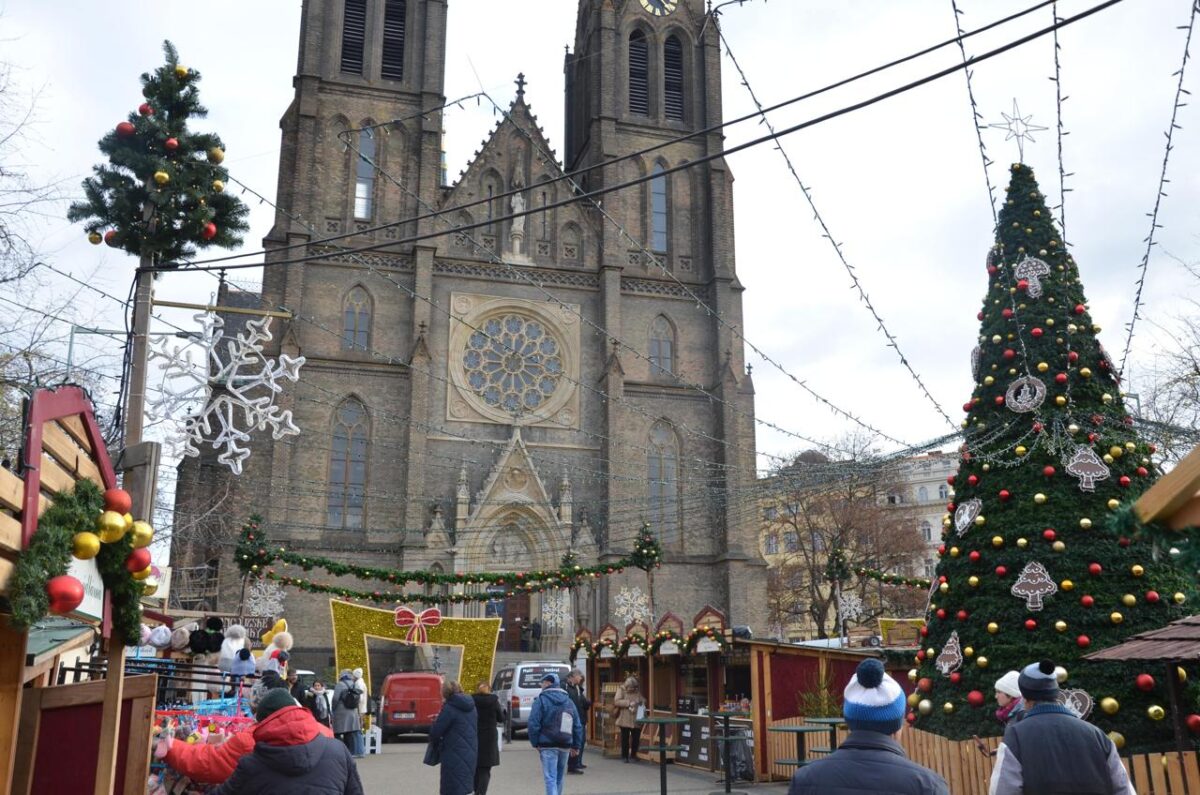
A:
(629, 698)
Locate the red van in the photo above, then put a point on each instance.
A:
(409, 702)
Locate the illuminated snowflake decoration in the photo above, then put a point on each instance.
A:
(264, 598)
(852, 607)
(632, 605)
(556, 610)
(231, 393)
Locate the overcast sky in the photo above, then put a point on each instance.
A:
(900, 184)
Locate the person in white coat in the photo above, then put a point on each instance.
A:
(360, 685)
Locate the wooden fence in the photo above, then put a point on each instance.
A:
(967, 771)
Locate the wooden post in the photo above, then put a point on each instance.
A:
(12, 668)
(1175, 694)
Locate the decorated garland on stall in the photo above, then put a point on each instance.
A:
(579, 645)
(85, 523)
(255, 554)
(893, 579)
(606, 643)
(663, 636)
(630, 641)
(702, 633)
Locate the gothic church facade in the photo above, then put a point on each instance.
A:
(489, 392)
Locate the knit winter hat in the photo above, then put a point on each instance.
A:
(1008, 684)
(873, 701)
(275, 700)
(551, 678)
(1038, 681)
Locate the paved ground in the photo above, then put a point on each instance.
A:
(399, 769)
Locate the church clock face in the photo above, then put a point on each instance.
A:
(659, 8)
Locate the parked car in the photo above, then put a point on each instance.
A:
(517, 685)
(409, 702)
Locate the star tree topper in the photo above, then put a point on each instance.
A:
(1018, 126)
(229, 394)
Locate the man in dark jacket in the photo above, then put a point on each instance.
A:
(578, 696)
(291, 754)
(1051, 749)
(455, 734)
(870, 760)
(488, 715)
(556, 731)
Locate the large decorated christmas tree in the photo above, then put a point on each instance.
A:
(1031, 565)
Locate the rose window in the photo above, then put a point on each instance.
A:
(513, 363)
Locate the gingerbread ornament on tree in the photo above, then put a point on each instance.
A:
(951, 658)
(1033, 585)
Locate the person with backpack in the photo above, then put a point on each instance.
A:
(347, 721)
(556, 731)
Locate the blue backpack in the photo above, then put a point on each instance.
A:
(557, 723)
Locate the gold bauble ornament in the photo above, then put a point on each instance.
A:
(1039, 498)
(1106, 398)
(216, 155)
(1086, 372)
(1113, 504)
(1116, 617)
(1118, 739)
(1067, 585)
(987, 381)
(162, 177)
(982, 662)
(128, 522)
(1096, 329)
(1109, 705)
(930, 652)
(1022, 543)
(913, 699)
(95, 238)
(1130, 447)
(181, 72)
(954, 552)
(1059, 546)
(980, 520)
(1060, 674)
(1072, 328)
(1116, 451)
(993, 628)
(149, 586)
(1085, 523)
(143, 574)
(85, 545)
(1060, 626)
(1136, 570)
(110, 527)
(944, 587)
(218, 186)
(997, 339)
(1179, 598)
(1155, 712)
(948, 708)
(1060, 401)
(1049, 321)
(969, 651)
(1182, 674)
(1042, 367)
(912, 674)
(1073, 428)
(1129, 600)
(142, 534)
(997, 541)
(987, 467)
(1020, 450)
(973, 581)
(925, 706)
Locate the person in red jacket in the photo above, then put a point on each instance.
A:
(213, 764)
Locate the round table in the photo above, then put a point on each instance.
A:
(662, 747)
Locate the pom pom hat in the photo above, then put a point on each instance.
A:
(1008, 684)
(873, 701)
(1038, 681)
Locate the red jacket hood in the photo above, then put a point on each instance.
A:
(289, 726)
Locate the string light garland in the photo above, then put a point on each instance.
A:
(700, 633)
(665, 636)
(976, 116)
(893, 579)
(631, 640)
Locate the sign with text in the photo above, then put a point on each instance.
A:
(256, 627)
(707, 645)
(88, 573)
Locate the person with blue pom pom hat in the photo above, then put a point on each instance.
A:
(1051, 750)
(870, 760)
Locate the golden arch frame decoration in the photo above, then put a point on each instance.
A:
(353, 624)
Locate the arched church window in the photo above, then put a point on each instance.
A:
(348, 465)
(393, 39)
(658, 209)
(364, 177)
(354, 34)
(639, 74)
(663, 477)
(673, 78)
(356, 320)
(662, 347)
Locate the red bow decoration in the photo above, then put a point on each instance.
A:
(417, 622)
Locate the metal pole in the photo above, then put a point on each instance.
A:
(70, 352)
(135, 403)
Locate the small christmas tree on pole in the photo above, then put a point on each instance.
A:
(162, 192)
(647, 556)
(1031, 567)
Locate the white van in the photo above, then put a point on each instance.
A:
(518, 685)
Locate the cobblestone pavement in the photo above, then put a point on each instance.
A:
(399, 769)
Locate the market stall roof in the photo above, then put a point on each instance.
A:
(1178, 641)
(51, 637)
(1175, 499)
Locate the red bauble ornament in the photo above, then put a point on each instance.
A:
(138, 560)
(1083, 641)
(1037, 427)
(950, 480)
(912, 718)
(972, 480)
(1004, 495)
(145, 109)
(999, 400)
(992, 270)
(925, 684)
(924, 632)
(1193, 723)
(1125, 480)
(1073, 357)
(1086, 600)
(921, 655)
(209, 231)
(118, 500)
(1152, 597)
(1006, 312)
(1030, 624)
(967, 406)
(941, 614)
(1049, 534)
(65, 592)
(1142, 472)
(975, 698)
(1061, 378)
(1036, 333)
(1048, 471)
(1023, 284)
(1010, 354)
(125, 129)
(1144, 682)
(955, 678)
(942, 549)
(941, 578)
(963, 615)
(171, 144)
(1080, 309)
(1094, 569)
(1153, 448)
(979, 316)
(1001, 571)
(110, 237)
(1123, 542)
(1092, 437)
(974, 556)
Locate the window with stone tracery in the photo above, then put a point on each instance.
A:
(348, 466)
(663, 478)
(356, 320)
(662, 347)
(513, 363)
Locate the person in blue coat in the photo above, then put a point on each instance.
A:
(455, 734)
(870, 761)
(556, 731)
